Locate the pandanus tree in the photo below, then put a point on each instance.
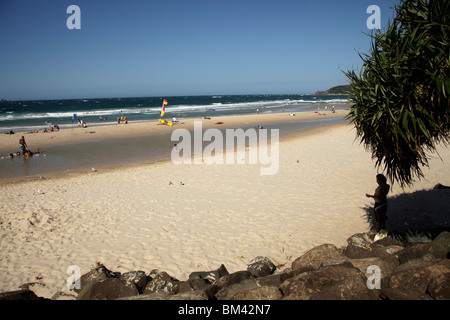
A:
(400, 97)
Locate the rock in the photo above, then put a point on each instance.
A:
(440, 186)
(228, 292)
(108, 289)
(276, 279)
(381, 251)
(440, 246)
(439, 287)
(149, 296)
(440, 267)
(336, 282)
(202, 280)
(39, 288)
(89, 280)
(386, 265)
(389, 241)
(313, 258)
(209, 276)
(99, 273)
(347, 289)
(136, 278)
(423, 276)
(228, 280)
(261, 267)
(192, 295)
(358, 246)
(19, 295)
(63, 296)
(411, 276)
(399, 294)
(162, 282)
(193, 285)
(262, 293)
(411, 253)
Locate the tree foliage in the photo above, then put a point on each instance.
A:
(401, 95)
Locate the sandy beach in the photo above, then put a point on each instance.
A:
(195, 217)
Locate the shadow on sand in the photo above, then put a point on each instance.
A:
(419, 215)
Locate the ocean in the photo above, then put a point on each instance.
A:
(24, 116)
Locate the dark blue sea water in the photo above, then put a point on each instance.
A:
(20, 116)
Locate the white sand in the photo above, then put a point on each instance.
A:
(133, 219)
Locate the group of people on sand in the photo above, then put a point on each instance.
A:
(326, 109)
(122, 119)
(81, 123)
(53, 128)
(25, 152)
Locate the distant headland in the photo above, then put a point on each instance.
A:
(344, 89)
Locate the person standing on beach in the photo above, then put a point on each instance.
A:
(380, 197)
(23, 145)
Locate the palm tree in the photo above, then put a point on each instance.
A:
(401, 95)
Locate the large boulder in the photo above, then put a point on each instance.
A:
(194, 285)
(400, 294)
(387, 265)
(99, 273)
(260, 293)
(136, 278)
(229, 292)
(427, 275)
(19, 295)
(161, 282)
(411, 276)
(358, 246)
(228, 280)
(39, 288)
(412, 252)
(419, 279)
(439, 285)
(108, 289)
(315, 257)
(209, 276)
(191, 295)
(440, 246)
(93, 286)
(262, 266)
(202, 280)
(276, 279)
(335, 282)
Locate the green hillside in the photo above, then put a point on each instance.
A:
(336, 90)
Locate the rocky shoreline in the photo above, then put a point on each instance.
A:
(393, 268)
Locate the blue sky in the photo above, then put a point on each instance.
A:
(180, 47)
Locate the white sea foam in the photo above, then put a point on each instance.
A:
(174, 109)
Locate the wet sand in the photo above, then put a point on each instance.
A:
(84, 148)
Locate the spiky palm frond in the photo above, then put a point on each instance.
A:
(401, 95)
